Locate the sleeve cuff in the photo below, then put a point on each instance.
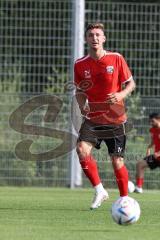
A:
(127, 79)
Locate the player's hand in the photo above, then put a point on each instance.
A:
(148, 152)
(85, 110)
(113, 98)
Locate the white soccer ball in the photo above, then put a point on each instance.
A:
(131, 187)
(125, 211)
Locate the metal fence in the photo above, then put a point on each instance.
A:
(36, 50)
(35, 56)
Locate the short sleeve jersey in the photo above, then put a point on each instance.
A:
(155, 133)
(99, 78)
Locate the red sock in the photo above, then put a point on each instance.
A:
(90, 169)
(139, 182)
(122, 180)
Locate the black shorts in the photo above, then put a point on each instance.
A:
(152, 162)
(113, 136)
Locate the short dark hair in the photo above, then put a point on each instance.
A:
(97, 25)
(154, 115)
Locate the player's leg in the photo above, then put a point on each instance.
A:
(140, 168)
(89, 166)
(116, 148)
(121, 174)
(88, 163)
(147, 162)
(86, 142)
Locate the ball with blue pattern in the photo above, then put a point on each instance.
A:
(125, 211)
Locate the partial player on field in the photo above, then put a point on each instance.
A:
(151, 161)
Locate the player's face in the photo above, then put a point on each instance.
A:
(155, 122)
(95, 38)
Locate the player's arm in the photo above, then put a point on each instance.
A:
(129, 86)
(80, 95)
(149, 147)
(82, 102)
(125, 79)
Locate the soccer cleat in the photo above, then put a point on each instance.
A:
(98, 199)
(138, 190)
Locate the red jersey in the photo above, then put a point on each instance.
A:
(99, 78)
(155, 133)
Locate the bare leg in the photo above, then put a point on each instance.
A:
(117, 162)
(84, 149)
(89, 166)
(88, 163)
(140, 168)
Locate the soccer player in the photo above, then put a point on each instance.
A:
(151, 161)
(99, 78)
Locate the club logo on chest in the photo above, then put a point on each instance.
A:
(87, 74)
(110, 69)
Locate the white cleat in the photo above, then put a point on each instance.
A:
(98, 199)
(138, 190)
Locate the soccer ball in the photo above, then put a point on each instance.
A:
(131, 187)
(125, 211)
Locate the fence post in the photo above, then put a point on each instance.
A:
(77, 52)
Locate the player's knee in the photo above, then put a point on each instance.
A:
(82, 150)
(141, 164)
(117, 162)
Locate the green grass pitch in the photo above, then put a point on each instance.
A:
(62, 214)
